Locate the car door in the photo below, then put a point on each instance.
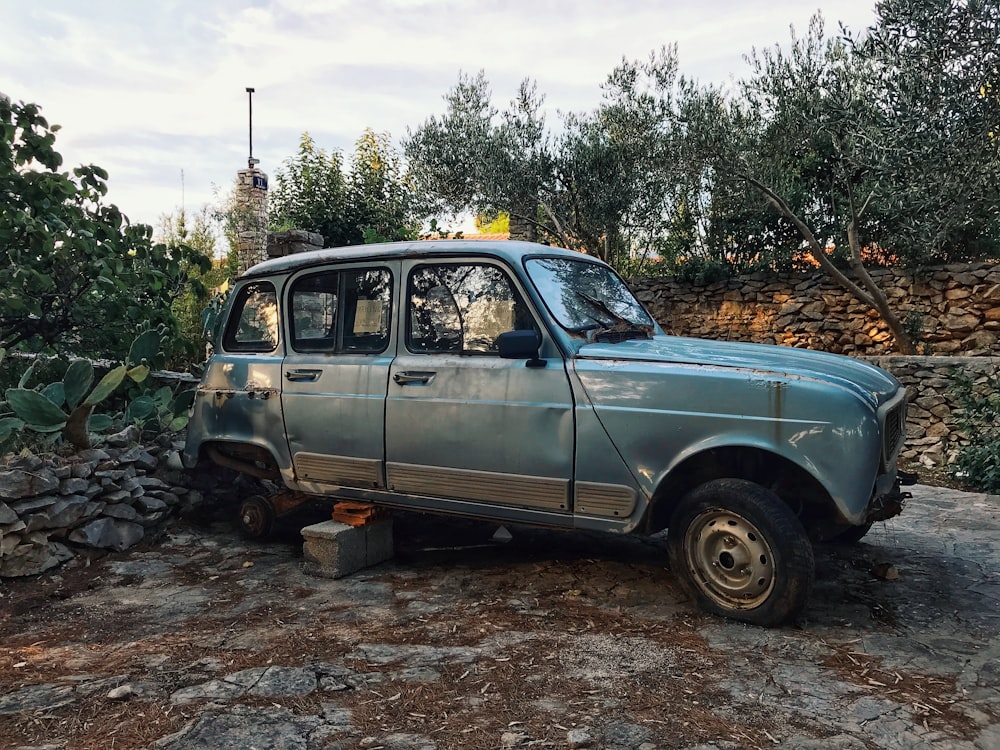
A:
(461, 422)
(335, 372)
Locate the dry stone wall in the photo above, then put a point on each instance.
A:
(100, 498)
(953, 310)
(52, 507)
(932, 436)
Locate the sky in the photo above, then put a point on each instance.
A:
(154, 91)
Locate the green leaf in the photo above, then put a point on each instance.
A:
(8, 426)
(140, 409)
(144, 348)
(36, 410)
(26, 376)
(163, 396)
(107, 386)
(55, 392)
(77, 380)
(100, 423)
(178, 423)
(138, 373)
(182, 402)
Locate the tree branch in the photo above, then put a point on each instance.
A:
(816, 249)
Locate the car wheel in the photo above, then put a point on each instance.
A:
(852, 534)
(741, 552)
(256, 517)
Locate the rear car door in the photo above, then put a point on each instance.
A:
(340, 346)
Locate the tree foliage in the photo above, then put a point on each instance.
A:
(310, 193)
(316, 191)
(877, 148)
(76, 274)
(379, 200)
(206, 278)
(606, 182)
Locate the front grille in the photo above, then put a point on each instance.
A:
(894, 431)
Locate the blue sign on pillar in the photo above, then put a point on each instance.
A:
(260, 181)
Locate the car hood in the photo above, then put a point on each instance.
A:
(868, 381)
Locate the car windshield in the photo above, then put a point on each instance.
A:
(585, 296)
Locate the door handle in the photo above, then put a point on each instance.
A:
(413, 378)
(303, 375)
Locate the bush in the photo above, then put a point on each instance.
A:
(978, 463)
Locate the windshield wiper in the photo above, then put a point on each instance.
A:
(613, 331)
(602, 307)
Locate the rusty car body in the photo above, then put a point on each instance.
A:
(525, 384)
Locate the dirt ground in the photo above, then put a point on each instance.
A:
(549, 640)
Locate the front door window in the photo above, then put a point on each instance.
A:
(461, 309)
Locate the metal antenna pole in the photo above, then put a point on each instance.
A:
(251, 161)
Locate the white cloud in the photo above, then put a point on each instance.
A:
(148, 89)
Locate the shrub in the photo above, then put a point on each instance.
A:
(978, 463)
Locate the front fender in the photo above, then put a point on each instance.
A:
(660, 414)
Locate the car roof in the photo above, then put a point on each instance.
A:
(509, 250)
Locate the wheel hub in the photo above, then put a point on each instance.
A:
(730, 559)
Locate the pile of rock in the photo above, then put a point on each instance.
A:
(100, 498)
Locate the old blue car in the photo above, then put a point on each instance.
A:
(526, 384)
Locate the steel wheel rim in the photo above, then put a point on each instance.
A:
(730, 559)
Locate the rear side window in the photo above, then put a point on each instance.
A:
(253, 322)
(341, 311)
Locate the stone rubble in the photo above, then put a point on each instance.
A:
(107, 498)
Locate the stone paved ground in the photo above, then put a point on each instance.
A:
(201, 640)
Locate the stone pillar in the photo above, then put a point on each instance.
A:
(251, 217)
(521, 229)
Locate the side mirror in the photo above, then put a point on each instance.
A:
(521, 345)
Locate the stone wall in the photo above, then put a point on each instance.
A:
(53, 507)
(932, 435)
(954, 310)
(280, 244)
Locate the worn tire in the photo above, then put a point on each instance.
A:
(740, 552)
(256, 517)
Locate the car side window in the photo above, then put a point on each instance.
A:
(253, 323)
(341, 311)
(462, 308)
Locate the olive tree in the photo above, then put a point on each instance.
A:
(882, 147)
(605, 182)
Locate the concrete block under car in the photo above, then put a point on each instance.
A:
(335, 550)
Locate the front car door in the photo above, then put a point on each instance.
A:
(483, 434)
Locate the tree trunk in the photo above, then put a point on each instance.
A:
(868, 292)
